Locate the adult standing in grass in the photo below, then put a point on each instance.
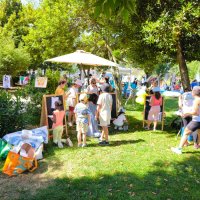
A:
(194, 124)
(155, 103)
(104, 112)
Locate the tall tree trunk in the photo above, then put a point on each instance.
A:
(182, 66)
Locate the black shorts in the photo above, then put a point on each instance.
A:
(193, 126)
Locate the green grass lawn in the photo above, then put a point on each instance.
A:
(138, 164)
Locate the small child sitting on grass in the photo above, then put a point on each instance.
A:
(121, 122)
(82, 120)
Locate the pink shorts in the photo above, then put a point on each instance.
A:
(154, 113)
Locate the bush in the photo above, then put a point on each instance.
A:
(11, 113)
(22, 109)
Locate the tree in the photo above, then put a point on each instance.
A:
(12, 60)
(58, 23)
(168, 27)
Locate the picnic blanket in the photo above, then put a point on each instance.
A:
(34, 137)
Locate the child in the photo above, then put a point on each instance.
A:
(82, 120)
(104, 112)
(119, 121)
(58, 116)
(71, 100)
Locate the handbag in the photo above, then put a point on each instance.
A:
(18, 162)
(4, 149)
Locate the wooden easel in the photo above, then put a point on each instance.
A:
(145, 114)
(47, 110)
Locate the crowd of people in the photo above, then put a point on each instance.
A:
(94, 107)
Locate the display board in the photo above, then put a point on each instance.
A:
(147, 108)
(114, 106)
(48, 106)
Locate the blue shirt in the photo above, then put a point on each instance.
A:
(82, 113)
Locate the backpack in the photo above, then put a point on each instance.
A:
(176, 123)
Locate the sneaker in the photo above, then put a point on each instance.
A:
(115, 127)
(84, 145)
(102, 142)
(196, 146)
(70, 124)
(60, 145)
(79, 145)
(176, 150)
(120, 129)
(106, 143)
(99, 139)
(154, 129)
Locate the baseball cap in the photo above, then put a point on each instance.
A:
(83, 97)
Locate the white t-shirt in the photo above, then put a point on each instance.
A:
(71, 100)
(120, 120)
(105, 100)
(187, 102)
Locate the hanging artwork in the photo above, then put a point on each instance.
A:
(6, 81)
(41, 82)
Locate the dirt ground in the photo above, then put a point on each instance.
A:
(12, 187)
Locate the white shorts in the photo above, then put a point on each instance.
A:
(104, 120)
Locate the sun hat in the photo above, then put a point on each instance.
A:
(78, 82)
(83, 97)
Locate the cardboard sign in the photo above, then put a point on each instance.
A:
(41, 82)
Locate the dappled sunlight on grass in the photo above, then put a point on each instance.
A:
(137, 164)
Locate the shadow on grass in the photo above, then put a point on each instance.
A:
(117, 143)
(176, 180)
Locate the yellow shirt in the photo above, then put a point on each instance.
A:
(59, 91)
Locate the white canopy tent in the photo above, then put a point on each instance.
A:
(83, 58)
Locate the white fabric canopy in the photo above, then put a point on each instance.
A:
(83, 58)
